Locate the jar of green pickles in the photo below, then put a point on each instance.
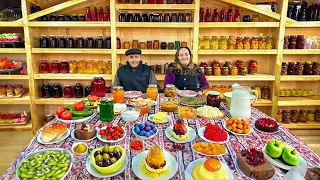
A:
(269, 42)
(214, 42)
(243, 71)
(205, 42)
(223, 43)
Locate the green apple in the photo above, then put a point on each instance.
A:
(291, 156)
(274, 148)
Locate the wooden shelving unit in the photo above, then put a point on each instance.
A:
(301, 51)
(300, 78)
(69, 51)
(70, 76)
(299, 101)
(58, 101)
(302, 126)
(10, 24)
(150, 52)
(70, 24)
(258, 77)
(23, 127)
(310, 24)
(154, 6)
(25, 99)
(153, 25)
(237, 51)
(12, 51)
(238, 24)
(13, 77)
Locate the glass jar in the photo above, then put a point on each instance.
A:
(292, 42)
(129, 17)
(118, 94)
(279, 116)
(284, 68)
(237, 17)
(155, 44)
(262, 42)
(44, 42)
(149, 44)
(294, 116)
(98, 86)
(64, 67)
(87, 91)
(234, 71)
(174, 17)
(70, 42)
(246, 43)
(79, 42)
(57, 91)
(181, 17)
(55, 67)
(89, 42)
(205, 42)
(269, 42)
(239, 42)
(61, 18)
(137, 17)
(170, 91)
(246, 18)
(310, 115)
(122, 17)
(99, 42)
(265, 92)
(307, 68)
(228, 64)
(91, 67)
(73, 67)
(232, 42)
(177, 45)
(223, 44)
(184, 44)
(78, 90)
(74, 17)
(82, 17)
(286, 42)
(67, 91)
(46, 91)
(300, 42)
(216, 17)
(213, 99)
(61, 42)
(151, 17)
(142, 45)
(302, 116)
(109, 67)
(253, 67)
(163, 45)
(126, 45)
(203, 64)
(223, 15)
(225, 71)
(44, 67)
(188, 17)
(239, 64)
(244, 70)
(214, 42)
(208, 71)
(108, 43)
(53, 17)
(299, 68)
(170, 45)
(88, 14)
(317, 115)
(101, 67)
(152, 91)
(52, 41)
(286, 116)
(254, 42)
(135, 44)
(208, 17)
(315, 68)
(82, 67)
(255, 18)
(167, 17)
(217, 71)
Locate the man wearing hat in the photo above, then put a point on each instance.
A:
(134, 76)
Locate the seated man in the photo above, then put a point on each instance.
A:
(134, 76)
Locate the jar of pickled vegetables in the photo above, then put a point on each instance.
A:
(234, 71)
(232, 42)
(214, 42)
(73, 67)
(135, 44)
(91, 67)
(223, 43)
(109, 68)
(225, 71)
(217, 71)
(254, 42)
(126, 45)
(255, 18)
(239, 42)
(170, 91)
(82, 67)
(208, 71)
(205, 42)
(310, 115)
(118, 94)
(246, 43)
(142, 45)
(269, 42)
(101, 67)
(262, 42)
(244, 70)
(152, 91)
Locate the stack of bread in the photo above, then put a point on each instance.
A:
(53, 132)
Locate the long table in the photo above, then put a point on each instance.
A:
(234, 146)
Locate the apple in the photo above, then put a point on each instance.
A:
(274, 148)
(291, 156)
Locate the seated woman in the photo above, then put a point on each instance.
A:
(134, 76)
(184, 74)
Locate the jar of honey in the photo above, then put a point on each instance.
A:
(118, 94)
(142, 45)
(149, 44)
(234, 71)
(152, 91)
(126, 45)
(156, 44)
(217, 71)
(184, 44)
(170, 91)
(135, 44)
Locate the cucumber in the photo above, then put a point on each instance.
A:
(70, 107)
(85, 113)
(77, 117)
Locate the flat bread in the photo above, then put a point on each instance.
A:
(53, 132)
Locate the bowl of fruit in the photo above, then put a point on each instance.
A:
(107, 159)
(185, 112)
(144, 109)
(145, 130)
(169, 105)
(136, 145)
(111, 133)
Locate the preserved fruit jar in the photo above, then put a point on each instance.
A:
(67, 91)
(61, 42)
(232, 42)
(269, 42)
(78, 90)
(246, 43)
(244, 70)
(118, 94)
(44, 42)
(225, 71)
(73, 67)
(213, 99)
(79, 42)
(170, 91)
(262, 42)
(44, 67)
(57, 91)
(152, 91)
(52, 41)
(98, 86)
(253, 67)
(82, 67)
(70, 42)
(254, 42)
(64, 67)
(46, 91)
(55, 66)
(234, 71)
(239, 42)
(214, 42)
(208, 71)
(217, 71)
(205, 43)
(223, 44)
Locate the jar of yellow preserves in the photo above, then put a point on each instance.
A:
(214, 42)
(262, 42)
(91, 66)
(82, 67)
(199, 43)
(223, 43)
(254, 42)
(101, 67)
(239, 42)
(246, 42)
(269, 42)
(152, 91)
(73, 66)
(232, 42)
(206, 43)
(109, 68)
(170, 91)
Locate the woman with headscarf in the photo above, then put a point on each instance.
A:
(184, 74)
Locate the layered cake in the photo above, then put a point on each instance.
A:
(267, 125)
(253, 164)
(210, 169)
(155, 164)
(180, 131)
(86, 132)
(312, 174)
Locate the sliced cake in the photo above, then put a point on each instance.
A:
(267, 125)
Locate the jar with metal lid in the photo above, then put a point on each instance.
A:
(55, 67)
(74, 17)
(246, 18)
(78, 90)
(99, 42)
(303, 116)
(300, 42)
(286, 116)
(129, 17)
(232, 42)
(262, 42)
(310, 115)
(135, 44)
(269, 42)
(208, 71)
(294, 116)
(213, 99)
(228, 64)
(155, 44)
(167, 17)
(137, 17)
(288, 92)
(155, 17)
(108, 42)
(44, 42)
(61, 18)
(214, 42)
(61, 42)
(291, 68)
(239, 42)
(142, 45)
(126, 45)
(265, 92)
(225, 71)
(315, 68)
(244, 70)
(170, 91)
(205, 42)
(149, 44)
(255, 18)
(73, 67)
(223, 43)
(246, 43)
(89, 42)
(254, 42)
(101, 67)
(284, 68)
(253, 67)
(79, 42)
(184, 44)
(216, 71)
(234, 71)
(279, 116)
(188, 17)
(163, 45)
(307, 68)
(82, 17)
(170, 45)
(152, 91)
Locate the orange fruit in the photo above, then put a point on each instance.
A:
(240, 126)
(239, 121)
(193, 110)
(235, 120)
(202, 144)
(229, 122)
(223, 150)
(234, 129)
(229, 127)
(199, 149)
(197, 145)
(238, 131)
(212, 165)
(246, 131)
(234, 125)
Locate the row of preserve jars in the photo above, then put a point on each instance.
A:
(74, 67)
(155, 17)
(239, 42)
(300, 68)
(295, 116)
(156, 1)
(154, 45)
(227, 69)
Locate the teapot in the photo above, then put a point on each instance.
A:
(240, 102)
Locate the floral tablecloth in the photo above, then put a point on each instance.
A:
(234, 146)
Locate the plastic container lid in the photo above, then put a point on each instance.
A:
(215, 93)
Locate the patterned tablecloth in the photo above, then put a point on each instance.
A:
(234, 146)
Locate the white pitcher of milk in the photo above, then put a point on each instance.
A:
(240, 101)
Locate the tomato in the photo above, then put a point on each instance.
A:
(66, 115)
(79, 106)
(60, 110)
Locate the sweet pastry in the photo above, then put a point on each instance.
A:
(253, 164)
(267, 125)
(9, 90)
(155, 164)
(53, 132)
(312, 174)
(210, 169)
(3, 91)
(180, 131)
(86, 132)
(160, 117)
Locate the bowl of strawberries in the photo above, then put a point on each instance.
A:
(111, 133)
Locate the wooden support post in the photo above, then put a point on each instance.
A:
(196, 31)
(113, 38)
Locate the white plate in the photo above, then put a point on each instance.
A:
(111, 141)
(74, 137)
(225, 127)
(65, 136)
(201, 134)
(144, 137)
(95, 173)
(279, 163)
(188, 171)
(139, 158)
(150, 117)
(79, 120)
(209, 155)
(43, 151)
(187, 93)
(132, 94)
(192, 135)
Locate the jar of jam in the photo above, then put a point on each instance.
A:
(246, 43)
(135, 44)
(300, 42)
(108, 42)
(61, 18)
(262, 42)
(254, 42)
(228, 64)
(55, 67)
(246, 18)
(230, 15)
(67, 18)
(317, 115)
(53, 17)
(302, 116)
(279, 116)
(64, 67)
(205, 43)
(126, 45)
(284, 68)
(170, 45)
(223, 43)
(291, 68)
(234, 71)
(253, 67)
(118, 94)
(149, 44)
(87, 91)
(181, 17)
(174, 17)
(223, 15)
(184, 44)
(163, 45)
(265, 92)
(74, 17)
(156, 44)
(89, 42)
(44, 67)
(239, 64)
(67, 91)
(213, 99)
(225, 71)
(61, 42)
(216, 71)
(232, 42)
(151, 17)
(307, 68)
(46, 91)
(137, 17)
(52, 41)
(255, 18)
(57, 91)
(122, 17)
(152, 91)
(244, 71)
(299, 68)
(99, 42)
(167, 17)
(145, 17)
(98, 87)
(214, 42)
(44, 18)
(188, 17)
(310, 115)
(170, 91)
(70, 42)
(239, 42)
(82, 17)
(286, 42)
(315, 68)
(73, 65)
(129, 17)
(292, 42)
(79, 42)
(78, 90)
(203, 64)
(286, 116)
(44, 42)
(156, 17)
(208, 71)
(294, 116)
(269, 42)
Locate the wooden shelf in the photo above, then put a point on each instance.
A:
(12, 50)
(238, 51)
(299, 101)
(262, 103)
(308, 125)
(70, 76)
(300, 78)
(155, 6)
(70, 51)
(238, 24)
(70, 24)
(248, 77)
(13, 76)
(301, 51)
(25, 99)
(154, 25)
(50, 101)
(24, 127)
(303, 24)
(150, 52)
(10, 24)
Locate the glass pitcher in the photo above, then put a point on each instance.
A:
(240, 102)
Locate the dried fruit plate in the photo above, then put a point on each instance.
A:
(13, 96)
(201, 135)
(208, 154)
(225, 127)
(132, 94)
(187, 93)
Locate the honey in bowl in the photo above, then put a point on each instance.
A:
(169, 105)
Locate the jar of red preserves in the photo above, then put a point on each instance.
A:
(52, 41)
(78, 90)
(230, 15)
(216, 17)
(44, 42)
(70, 42)
(64, 67)
(215, 63)
(239, 64)
(79, 42)
(98, 86)
(88, 14)
(55, 66)
(61, 42)
(203, 64)
(213, 99)
(44, 67)
(89, 42)
(253, 67)
(67, 91)
(118, 43)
